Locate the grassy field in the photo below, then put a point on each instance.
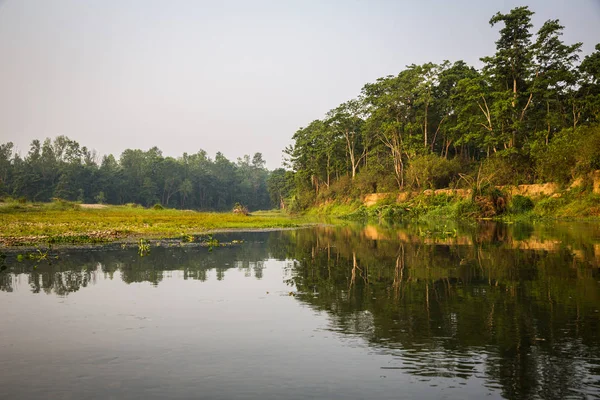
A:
(68, 223)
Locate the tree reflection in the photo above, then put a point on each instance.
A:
(529, 303)
(516, 306)
(77, 269)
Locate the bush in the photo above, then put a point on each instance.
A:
(100, 198)
(570, 153)
(63, 205)
(340, 189)
(588, 152)
(372, 180)
(509, 168)
(240, 209)
(521, 204)
(158, 206)
(432, 171)
(555, 162)
(466, 209)
(366, 181)
(548, 206)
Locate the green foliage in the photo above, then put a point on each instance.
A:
(521, 204)
(527, 116)
(571, 153)
(530, 114)
(506, 169)
(240, 209)
(62, 169)
(143, 248)
(60, 204)
(158, 206)
(280, 185)
(340, 189)
(100, 198)
(433, 172)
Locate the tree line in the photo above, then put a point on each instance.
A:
(529, 114)
(61, 168)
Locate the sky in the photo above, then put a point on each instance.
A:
(234, 76)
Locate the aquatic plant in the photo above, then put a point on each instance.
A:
(143, 248)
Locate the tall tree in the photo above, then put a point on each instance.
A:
(510, 70)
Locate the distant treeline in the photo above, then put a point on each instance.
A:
(528, 115)
(61, 168)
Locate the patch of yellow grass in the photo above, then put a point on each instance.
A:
(83, 225)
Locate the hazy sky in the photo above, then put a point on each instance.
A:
(230, 76)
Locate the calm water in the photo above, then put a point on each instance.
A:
(371, 312)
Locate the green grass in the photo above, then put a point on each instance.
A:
(335, 209)
(569, 205)
(421, 207)
(68, 223)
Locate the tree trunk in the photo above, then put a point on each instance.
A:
(425, 124)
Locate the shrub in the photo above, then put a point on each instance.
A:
(100, 198)
(60, 204)
(521, 204)
(375, 180)
(240, 209)
(570, 153)
(338, 189)
(432, 171)
(507, 169)
(588, 151)
(466, 209)
(366, 181)
(548, 206)
(158, 206)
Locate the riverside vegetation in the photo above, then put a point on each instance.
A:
(530, 115)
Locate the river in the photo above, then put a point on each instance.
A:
(347, 312)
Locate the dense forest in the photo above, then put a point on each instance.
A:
(63, 169)
(529, 114)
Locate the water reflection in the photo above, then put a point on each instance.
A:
(515, 307)
(76, 269)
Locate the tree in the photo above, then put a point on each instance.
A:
(555, 74)
(280, 185)
(586, 107)
(346, 121)
(510, 70)
(6, 167)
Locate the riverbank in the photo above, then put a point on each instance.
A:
(71, 224)
(506, 204)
